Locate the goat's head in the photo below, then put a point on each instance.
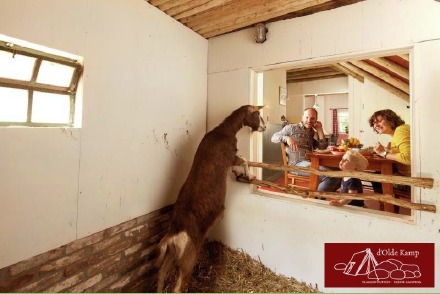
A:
(254, 120)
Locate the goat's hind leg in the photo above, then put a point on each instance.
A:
(186, 264)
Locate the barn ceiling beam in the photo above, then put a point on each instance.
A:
(404, 87)
(157, 2)
(236, 19)
(321, 77)
(191, 8)
(171, 4)
(316, 73)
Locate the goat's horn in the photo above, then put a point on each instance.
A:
(259, 107)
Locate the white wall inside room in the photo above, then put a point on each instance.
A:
(332, 93)
(289, 236)
(297, 91)
(273, 80)
(144, 113)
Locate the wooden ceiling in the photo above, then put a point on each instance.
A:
(211, 18)
(388, 72)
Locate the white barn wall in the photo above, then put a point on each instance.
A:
(144, 113)
(288, 236)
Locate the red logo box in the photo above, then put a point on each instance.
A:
(379, 265)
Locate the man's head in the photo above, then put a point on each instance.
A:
(310, 117)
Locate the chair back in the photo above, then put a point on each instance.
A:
(300, 182)
(285, 162)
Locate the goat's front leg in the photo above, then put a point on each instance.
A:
(241, 168)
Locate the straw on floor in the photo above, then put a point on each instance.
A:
(221, 269)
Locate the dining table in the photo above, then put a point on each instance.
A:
(375, 163)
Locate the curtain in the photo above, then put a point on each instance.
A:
(335, 123)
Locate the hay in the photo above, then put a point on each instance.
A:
(221, 269)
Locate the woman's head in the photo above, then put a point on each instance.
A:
(353, 161)
(385, 121)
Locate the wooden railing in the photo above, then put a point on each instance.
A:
(410, 181)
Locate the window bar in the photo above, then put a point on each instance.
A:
(37, 54)
(31, 92)
(72, 109)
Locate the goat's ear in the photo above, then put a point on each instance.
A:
(258, 107)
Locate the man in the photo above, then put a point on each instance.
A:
(304, 137)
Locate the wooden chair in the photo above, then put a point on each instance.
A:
(290, 180)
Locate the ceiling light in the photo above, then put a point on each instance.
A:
(316, 105)
(260, 32)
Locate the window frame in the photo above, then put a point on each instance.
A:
(32, 85)
(257, 142)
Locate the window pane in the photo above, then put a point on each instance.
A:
(18, 67)
(344, 123)
(13, 105)
(50, 108)
(55, 74)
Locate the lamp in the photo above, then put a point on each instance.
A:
(260, 32)
(316, 105)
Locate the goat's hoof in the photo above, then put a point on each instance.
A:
(245, 178)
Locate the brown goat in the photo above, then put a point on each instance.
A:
(200, 203)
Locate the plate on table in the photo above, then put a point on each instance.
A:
(322, 151)
(338, 152)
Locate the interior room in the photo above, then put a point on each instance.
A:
(87, 197)
(331, 92)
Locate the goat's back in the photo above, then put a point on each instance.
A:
(201, 198)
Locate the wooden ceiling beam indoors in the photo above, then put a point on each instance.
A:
(376, 80)
(188, 10)
(157, 2)
(171, 4)
(393, 67)
(312, 78)
(348, 72)
(217, 15)
(322, 70)
(404, 87)
(314, 75)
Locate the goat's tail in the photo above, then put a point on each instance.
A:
(164, 261)
(170, 250)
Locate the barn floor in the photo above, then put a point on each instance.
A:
(221, 269)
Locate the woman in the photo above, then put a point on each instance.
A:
(399, 149)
